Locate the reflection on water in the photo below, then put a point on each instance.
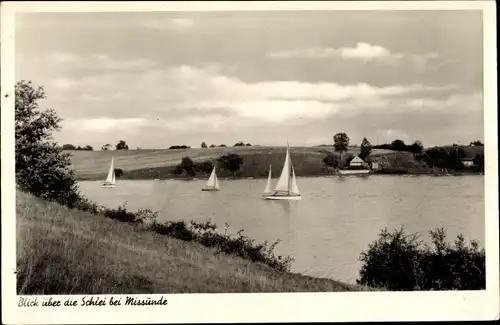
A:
(326, 231)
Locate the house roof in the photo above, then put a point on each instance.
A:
(357, 160)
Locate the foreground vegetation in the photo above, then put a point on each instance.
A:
(66, 251)
(400, 261)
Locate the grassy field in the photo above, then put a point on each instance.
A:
(136, 164)
(63, 251)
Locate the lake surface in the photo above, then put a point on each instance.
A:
(334, 222)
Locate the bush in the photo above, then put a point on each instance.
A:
(179, 147)
(205, 233)
(398, 261)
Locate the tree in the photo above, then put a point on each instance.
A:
(68, 147)
(88, 148)
(206, 167)
(248, 145)
(239, 144)
(366, 149)
(454, 161)
(340, 142)
(105, 147)
(187, 164)
(476, 143)
(121, 145)
(203, 144)
(438, 156)
(212, 146)
(332, 160)
(398, 145)
(417, 147)
(179, 147)
(479, 162)
(118, 172)
(231, 162)
(222, 146)
(41, 166)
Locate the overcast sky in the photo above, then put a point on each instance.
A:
(159, 79)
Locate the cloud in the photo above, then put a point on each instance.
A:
(62, 57)
(364, 52)
(188, 103)
(188, 97)
(105, 124)
(98, 61)
(183, 23)
(64, 83)
(179, 24)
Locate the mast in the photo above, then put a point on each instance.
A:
(288, 172)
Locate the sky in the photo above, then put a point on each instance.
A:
(156, 79)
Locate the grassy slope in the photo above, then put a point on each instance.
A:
(62, 251)
(92, 165)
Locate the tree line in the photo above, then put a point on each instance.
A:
(68, 146)
(122, 145)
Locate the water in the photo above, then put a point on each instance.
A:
(334, 222)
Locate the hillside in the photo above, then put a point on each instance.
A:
(62, 251)
(147, 164)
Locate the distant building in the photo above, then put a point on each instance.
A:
(468, 162)
(356, 162)
(375, 165)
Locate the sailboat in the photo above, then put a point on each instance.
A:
(110, 181)
(286, 188)
(212, 183)
(268, 190)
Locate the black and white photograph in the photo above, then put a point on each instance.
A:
(156, 153)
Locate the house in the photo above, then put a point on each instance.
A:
(375, 165)
(468, 162)
(356, 162)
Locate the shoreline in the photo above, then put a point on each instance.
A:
(242, 178)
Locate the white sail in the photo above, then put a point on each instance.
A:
(216, 180)
(268, 188)
(295, 188)
(286, 188)
(283, 184)
(212, 180)
(111, 174)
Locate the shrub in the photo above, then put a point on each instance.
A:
(205, 233)
(399, 261)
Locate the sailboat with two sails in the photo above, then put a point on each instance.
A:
(110, 181)
(212, 183)
(286, 188)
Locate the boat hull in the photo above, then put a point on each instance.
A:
(108, 185)
(210, 189)
(283, 197)
(354, 172)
